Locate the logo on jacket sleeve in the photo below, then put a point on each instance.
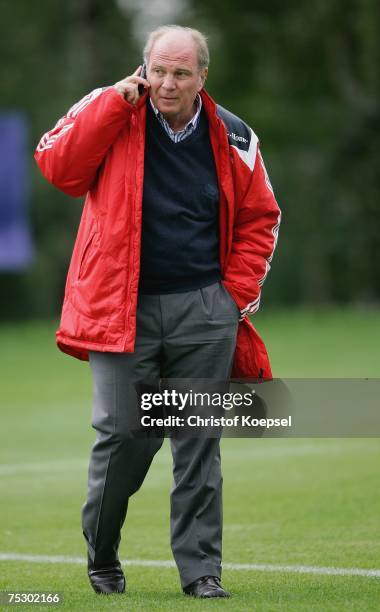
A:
(240, 136)
(237, 138)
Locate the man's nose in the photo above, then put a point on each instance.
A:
(168, 82)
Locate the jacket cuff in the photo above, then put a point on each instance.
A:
(112, 92)
(242, 304)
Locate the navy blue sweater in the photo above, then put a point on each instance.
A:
(180, 229)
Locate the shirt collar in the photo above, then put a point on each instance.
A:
(190, 124)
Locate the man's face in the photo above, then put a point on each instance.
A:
(174, 76)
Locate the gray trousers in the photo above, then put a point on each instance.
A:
(182, 335)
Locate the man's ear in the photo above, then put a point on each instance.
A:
(203, 77)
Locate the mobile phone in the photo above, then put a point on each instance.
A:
(141, 88)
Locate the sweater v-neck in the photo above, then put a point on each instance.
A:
(164, 136)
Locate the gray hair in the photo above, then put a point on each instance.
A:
(199, 39)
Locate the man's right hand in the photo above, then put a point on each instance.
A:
(128, 87)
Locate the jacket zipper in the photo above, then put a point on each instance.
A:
(135, 126)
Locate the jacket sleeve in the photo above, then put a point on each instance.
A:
(70, 154)
(254, 240)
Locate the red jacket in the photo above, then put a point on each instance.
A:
(98, 149)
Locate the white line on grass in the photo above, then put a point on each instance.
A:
(257, 567)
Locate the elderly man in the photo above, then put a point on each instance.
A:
(176, 238)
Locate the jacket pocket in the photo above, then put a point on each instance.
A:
(85, 254)
(231, 299)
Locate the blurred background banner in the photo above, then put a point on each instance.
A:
(16, 251)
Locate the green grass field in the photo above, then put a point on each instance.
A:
(287, 502)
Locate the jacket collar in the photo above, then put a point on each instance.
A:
(207, 100)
